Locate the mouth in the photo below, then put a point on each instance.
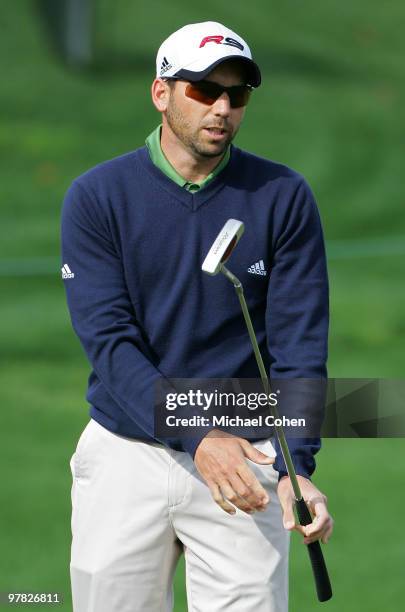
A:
(216, 133)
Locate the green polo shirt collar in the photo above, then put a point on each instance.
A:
(159, 159)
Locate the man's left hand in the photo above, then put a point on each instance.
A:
(322, 523)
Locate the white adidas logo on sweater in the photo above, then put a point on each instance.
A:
(67, 272)
(258, 268)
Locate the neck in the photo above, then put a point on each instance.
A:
(191, 166)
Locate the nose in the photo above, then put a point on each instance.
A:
(222, 105)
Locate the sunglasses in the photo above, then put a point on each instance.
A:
(207, 92)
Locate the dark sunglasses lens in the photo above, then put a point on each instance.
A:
(208, 93)
(203, 92)
(239, 96)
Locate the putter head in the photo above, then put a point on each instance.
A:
(223, 246)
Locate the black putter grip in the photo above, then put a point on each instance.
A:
(322, 582)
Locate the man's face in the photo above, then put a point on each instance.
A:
(190, 120)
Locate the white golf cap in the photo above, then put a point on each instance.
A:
(193, 51)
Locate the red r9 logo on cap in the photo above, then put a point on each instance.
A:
(216, 39)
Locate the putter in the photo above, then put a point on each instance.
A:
(213, 264)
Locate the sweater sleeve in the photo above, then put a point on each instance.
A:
(297, 314)
(104, 317)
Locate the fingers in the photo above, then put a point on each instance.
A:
(289, 519)
(318, 530)
(245, 497)
(287, 501)
(222, 464)
(236, 491)
(322, 525)
(325, 537)
(245, 493)
(219, 499)
(224, 493)
(255, 455)
(258, 495)
(230, 494)
(288, 515)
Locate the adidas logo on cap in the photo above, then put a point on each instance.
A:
(165, 66)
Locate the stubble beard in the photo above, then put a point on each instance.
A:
(192, 140)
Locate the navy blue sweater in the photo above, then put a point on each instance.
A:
(143, 309)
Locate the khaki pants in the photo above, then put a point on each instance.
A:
(137, 506)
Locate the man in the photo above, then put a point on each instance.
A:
(134, 233)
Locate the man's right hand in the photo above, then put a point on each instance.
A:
(220, 459)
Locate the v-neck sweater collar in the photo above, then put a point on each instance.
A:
(192, 200)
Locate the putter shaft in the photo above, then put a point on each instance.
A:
(265, 380)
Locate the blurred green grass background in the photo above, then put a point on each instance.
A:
(332, 107)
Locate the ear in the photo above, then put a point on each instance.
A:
(160, 94)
